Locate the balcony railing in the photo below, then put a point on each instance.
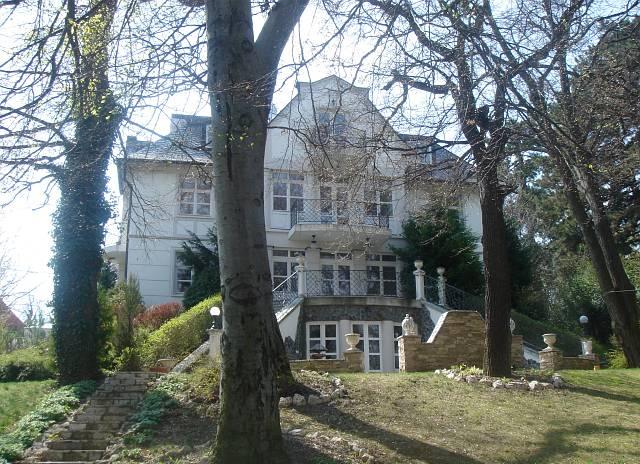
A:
(347, 282)
(337, 212)
(451, 297)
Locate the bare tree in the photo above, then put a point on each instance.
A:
(242, 74)
(551, 92)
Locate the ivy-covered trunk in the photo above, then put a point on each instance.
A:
(83, 211)
(242, 75)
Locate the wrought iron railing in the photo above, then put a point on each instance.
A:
(285, 292)
(349, 282)
(348, 213)
(451, 297)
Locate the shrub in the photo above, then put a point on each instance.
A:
(54, 408)
(157, 315)
(181, 335)
(615, 356)
(34, 363)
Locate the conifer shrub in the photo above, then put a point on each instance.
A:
(181, 335)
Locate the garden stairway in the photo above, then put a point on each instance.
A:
(86, 436)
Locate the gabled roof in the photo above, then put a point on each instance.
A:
(8, 318)
(441, 164)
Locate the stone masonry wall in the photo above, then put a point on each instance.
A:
(352, 362)
(457, 338)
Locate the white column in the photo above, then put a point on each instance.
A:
(302, 278)
(442, 292)
(419, 275)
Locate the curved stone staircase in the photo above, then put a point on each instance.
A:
(85, 437)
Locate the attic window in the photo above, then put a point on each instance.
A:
(331, 126)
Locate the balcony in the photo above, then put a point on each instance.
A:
(333, 220)
(349, 282)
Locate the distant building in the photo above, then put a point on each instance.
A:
(9, 319)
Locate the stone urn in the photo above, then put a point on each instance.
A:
(409, 326)
(352, 340)
(550, 339)
(587, 348)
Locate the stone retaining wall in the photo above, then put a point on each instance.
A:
(458, 338)
(352, 362)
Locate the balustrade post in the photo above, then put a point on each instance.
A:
(419, 275)
(302, 278)
(442, 289)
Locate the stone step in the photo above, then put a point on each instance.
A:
(123, 403)
(107, 410)
(85, 435)
(77, 444)
(124, 395)
(97, 426)
(73, 455)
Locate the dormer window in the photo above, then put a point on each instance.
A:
(331, 126)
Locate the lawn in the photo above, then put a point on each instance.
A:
(424, 418)
(18, 398)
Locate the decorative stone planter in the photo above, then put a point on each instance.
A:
(550, 339)
(352, 340)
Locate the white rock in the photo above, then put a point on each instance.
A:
(285, 401)
(437, 371)
(368, 458)
(298, 400)
(497, 384)
(486, 380)
(337, 440)
(534, 385)
(313, 435)
(314, 400)
(473, 379)
(517, 385)
(296, 432)
(451, 375)
(557, 381)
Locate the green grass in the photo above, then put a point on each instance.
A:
(424, 418)
(18, 398)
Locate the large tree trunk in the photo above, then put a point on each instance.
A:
(252, 349)
(83, 211)
(497, 355)
(618, 292)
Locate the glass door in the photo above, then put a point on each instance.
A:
(371, 343)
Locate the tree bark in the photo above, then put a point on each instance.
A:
(242, 76)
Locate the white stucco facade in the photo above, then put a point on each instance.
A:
(335, 190)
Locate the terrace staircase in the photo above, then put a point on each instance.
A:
(85, 437)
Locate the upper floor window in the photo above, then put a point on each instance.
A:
(288, 191)
(378, 203)
(331, 126)
(195, 196)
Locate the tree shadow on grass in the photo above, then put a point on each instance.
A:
(604, 394)
(556, 444)
(401, 444)
(301, 452)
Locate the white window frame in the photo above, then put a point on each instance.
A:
(201, 185)
(379, 262)
(376, 201)
(177, 267)
(289, 180)
(290, 257)
(323, 338)
(397, 329)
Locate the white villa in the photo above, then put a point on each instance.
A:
(339, 182)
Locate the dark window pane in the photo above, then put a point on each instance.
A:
(327, 287)
(385, 196)
(280, 189)
(386, 210)
(374, 363)
(314, 331)
(296, 190)
(390, 288)
(332, 346)
(279, 268)
(203, 210)
(388, 258)
(330, 330)
(280, 253)
(343, 273)
(186, 208)
(188, 183)
(374, 346)
(373, 288)
(389, 273)
(396, 362)
(183, 273)
(397, 331)
(357, 328)
(279, 203)
(373, 273)
(297, 204)
(344, 287)
(374, 331)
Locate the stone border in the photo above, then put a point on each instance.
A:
(298, 400)
(498, 383)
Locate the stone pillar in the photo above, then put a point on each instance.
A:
(419, 275)
(517, 350)
(214, 342)
(408, 346)
(302, 278)
(442, 289)
(355, 360)
(550, 359)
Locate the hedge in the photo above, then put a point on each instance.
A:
(532, 331)
(33, 363)
(181, 335)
